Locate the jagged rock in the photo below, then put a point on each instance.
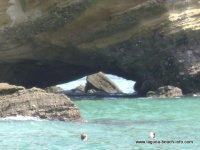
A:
(166, 92)
(53, 89)
(100, 82)
(36, 102)
(6, 88)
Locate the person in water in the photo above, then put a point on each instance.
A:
(152, 135)
(84, 137)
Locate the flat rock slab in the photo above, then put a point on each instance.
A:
(100, 82)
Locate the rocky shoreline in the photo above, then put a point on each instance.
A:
(55, 105)
(97, 95)
(98, 85)
(35, 102)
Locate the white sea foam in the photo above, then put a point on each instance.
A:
(21, 118)
(177, 97)
(196, 95)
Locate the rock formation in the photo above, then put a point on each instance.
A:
(53, 89)
(6, 88)
(37, 103)
(80, 89)
(166, 92)
(99, 82)
(154, 42)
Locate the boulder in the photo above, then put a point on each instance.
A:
(166, 92)
(6, 88)
(79, 89)
(100, 82)
(36, 102)
(169, 92)
(53, 89)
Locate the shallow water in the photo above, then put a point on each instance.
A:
(112, 124)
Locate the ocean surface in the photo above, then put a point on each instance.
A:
(111, 124)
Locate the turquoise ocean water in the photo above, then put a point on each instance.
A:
(112, 124)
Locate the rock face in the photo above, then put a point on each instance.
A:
(100, 82)
(166, 92)
(37, 103)
(153, 42)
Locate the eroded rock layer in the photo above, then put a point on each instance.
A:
(36, 102)
(154, 42)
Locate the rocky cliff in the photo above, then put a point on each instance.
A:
(154, 42)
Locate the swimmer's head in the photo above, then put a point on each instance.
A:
(84, 137)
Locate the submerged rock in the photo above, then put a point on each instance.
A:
(166, 92)
(36, 102)
(100, 82)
